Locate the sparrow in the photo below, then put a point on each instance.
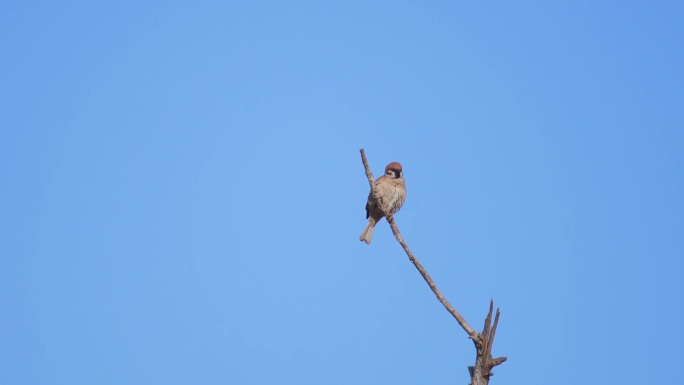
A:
(391, 190)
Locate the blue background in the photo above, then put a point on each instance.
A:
(182, 192)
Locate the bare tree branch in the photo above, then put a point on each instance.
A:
(395, 230)
(484, 363)
(481, 372)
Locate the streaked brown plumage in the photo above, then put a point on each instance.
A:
(391, 190)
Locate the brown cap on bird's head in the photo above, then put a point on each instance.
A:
(394, 166)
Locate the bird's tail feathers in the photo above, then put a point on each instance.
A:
(368, 231)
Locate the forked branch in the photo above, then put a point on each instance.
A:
(484, 363)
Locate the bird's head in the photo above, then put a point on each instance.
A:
(393, 170)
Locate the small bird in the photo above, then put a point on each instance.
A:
(391, 190)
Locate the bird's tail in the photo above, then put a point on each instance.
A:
(368, 231)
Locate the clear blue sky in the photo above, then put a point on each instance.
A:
(182, 193)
